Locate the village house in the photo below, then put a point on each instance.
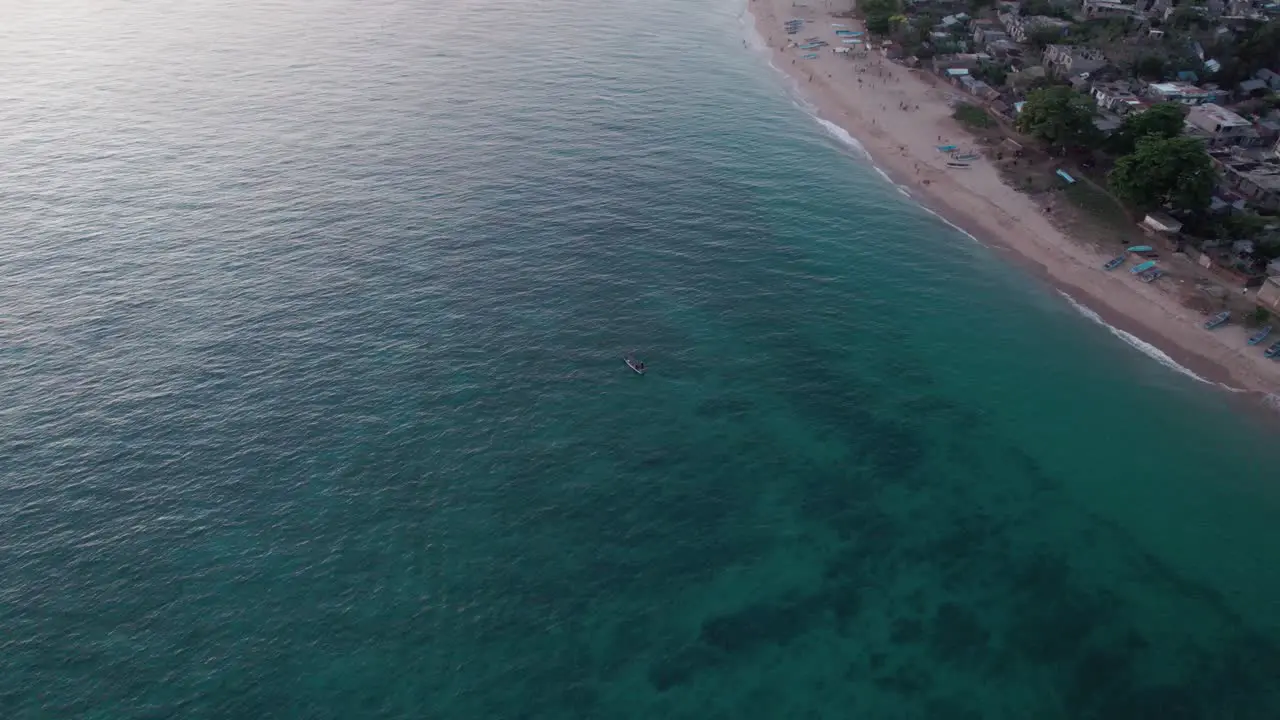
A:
(1026, 77)
(1255, 178)
(1118, 97)
(977, 88)
(1154, 8)
(1240, 8)
(1182, 93)
(1268, 131)
(1269, 294)
(984, 34)
(1021, 28)
(1251, 88)
(1003, 50)
(1219, 127)
(959, 61)
(1096, 9)
(1270, 78)
(1067, 60)
(1157, 223)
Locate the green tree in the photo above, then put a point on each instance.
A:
(1163, 120)
(1043, 36)
(1043, 7)
(1162, 171)
(879, 15)
(1060, 116)
(991, 74)
(1149, 67)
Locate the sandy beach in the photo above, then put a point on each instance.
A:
(900, 117)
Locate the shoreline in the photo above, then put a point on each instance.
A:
(865, 98)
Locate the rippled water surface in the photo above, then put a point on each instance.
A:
(313, 407)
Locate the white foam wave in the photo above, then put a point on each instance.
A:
(1135, 342)
(843, 136)
(954, 226)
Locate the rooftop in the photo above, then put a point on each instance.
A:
(1178, 88)
(1223, 116)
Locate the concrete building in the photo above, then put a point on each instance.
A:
(1270, 78)
(1269, 294)
(1160, 223)
(1021, 28)
(1220, 127)
(1254, 177)
(1118, 97)
(1095, 9)
(983, 35)
(1182, 93)
(1068, 60)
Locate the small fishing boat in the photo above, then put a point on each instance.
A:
(1114, 263)
(958, 165)
(634, 364)
(1217, 320)
(810, 56)
(1151, 276)
(1259, 336)
(1139, 249)
(1139, 269)
(1272, 351)
(947, 148)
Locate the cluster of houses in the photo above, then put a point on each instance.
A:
(1246, 149)
(1244, 143)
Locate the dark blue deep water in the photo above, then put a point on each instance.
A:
(312, 405)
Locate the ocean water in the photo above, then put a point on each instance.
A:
(311, 328)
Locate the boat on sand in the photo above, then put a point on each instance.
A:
(1114, 263)
(1217, 320)
(1260, 335)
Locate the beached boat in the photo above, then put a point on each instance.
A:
(957, 165)
(1259, 336)
(1114, 263)
(1217, 320)
(1139, 249)
(1272, 351)
(1137, 269)
(1151, 276)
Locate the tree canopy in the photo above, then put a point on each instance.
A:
(1242, 58)
(1172, 171)
(1149, 67)
(1043, 7)
(1163, 120)
(1059, 116)
(1042, 37)
(879, 15)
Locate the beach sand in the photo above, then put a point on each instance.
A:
(866, 97)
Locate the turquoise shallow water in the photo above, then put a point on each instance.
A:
(314, 408)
